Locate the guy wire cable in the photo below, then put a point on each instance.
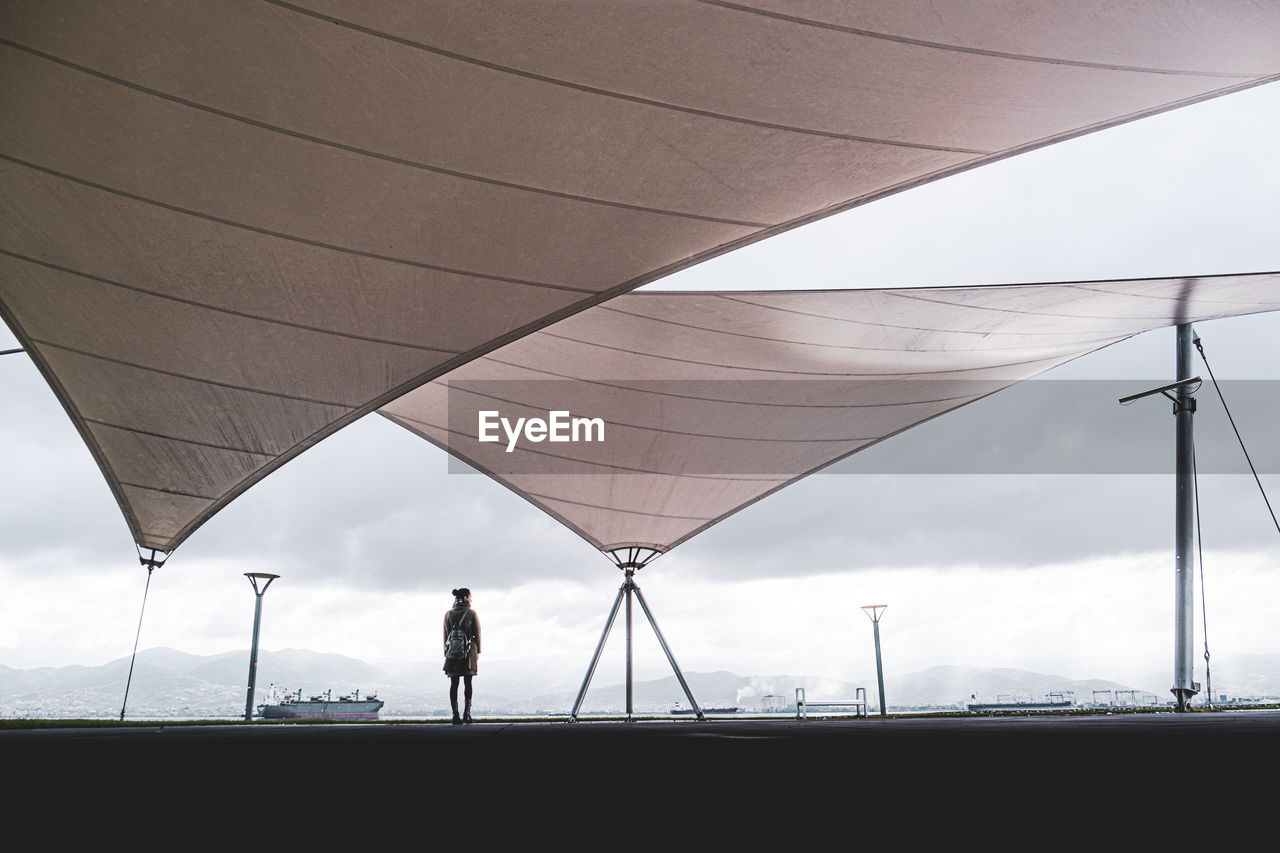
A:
(135, 643)
(152, 564)
(1204, 607)
(1256, 479)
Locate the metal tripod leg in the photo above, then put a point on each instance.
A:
(628, 587)
(608, 625)
(670, 657)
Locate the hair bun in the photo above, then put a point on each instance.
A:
(455, 593)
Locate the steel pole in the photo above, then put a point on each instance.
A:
(1184, 514)
(253, 657)
(253, 649)
(879, 668)
(874, 611)
(630, 585)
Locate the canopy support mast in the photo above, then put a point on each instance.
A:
(630, 563)
(1182, 392)
(1184, 407)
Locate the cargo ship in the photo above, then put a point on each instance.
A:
(1052, 702)
(292, 706)
(725, 710)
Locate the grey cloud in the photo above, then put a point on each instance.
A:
(1080, 427)
(846, 523)
(376, 506)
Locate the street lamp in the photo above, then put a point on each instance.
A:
(873, 612)
(254, 577)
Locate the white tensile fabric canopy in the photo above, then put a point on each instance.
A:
(229, 229)
(711, 401)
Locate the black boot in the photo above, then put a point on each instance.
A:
(456, 719)
(466, 714)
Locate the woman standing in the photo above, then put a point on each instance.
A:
(461, 651)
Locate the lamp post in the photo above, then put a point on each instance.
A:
(254, 577)
(873, 612)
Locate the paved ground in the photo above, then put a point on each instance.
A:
(1061, 769)
(1118, 737)
(862, 732)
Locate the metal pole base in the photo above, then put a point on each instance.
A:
(1182, 697)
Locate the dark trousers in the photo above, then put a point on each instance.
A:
(453, 691)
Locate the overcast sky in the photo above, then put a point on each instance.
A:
(1065, 574)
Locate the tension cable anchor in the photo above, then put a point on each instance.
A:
(632, 557)
(152, 562)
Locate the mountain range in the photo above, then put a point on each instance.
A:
(167, 683)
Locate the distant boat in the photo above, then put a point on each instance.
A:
(679, 710)
(1042, 705)
(293, 706)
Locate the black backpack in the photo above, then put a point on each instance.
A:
(458, 642)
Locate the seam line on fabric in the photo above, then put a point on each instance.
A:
(165, 491)
(853, 407)
(289, 237)
(603, 384)
(911, 295)
(550, 499)
(294, 398)
(375, 155)
(493, 66)
(179, 439)
(978, 334)
(746, 478)
(795, 372)
(227, 311)
(978, 51)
